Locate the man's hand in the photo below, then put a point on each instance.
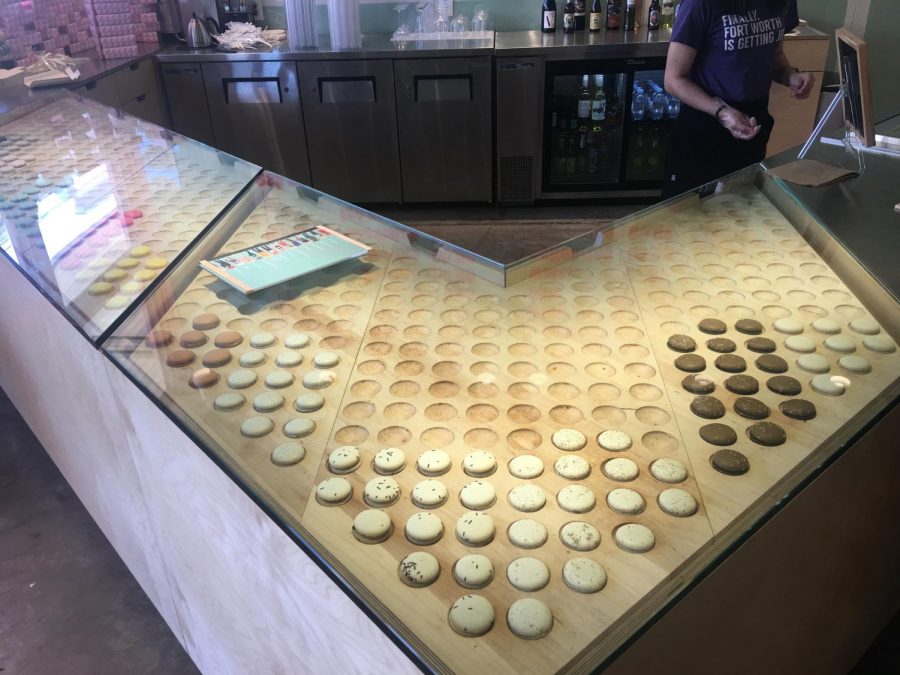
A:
(801, 84)
(740, 126)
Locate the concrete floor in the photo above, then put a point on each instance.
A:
(68, 604)
(508, 234)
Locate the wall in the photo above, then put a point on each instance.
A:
(826, 16)
(884, 53)
(380, 17)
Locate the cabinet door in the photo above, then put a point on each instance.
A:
(148, 107)
(187, 101)
(795, 119)
(256, 114)
(102, 90)
(135, 80)
(351, 128)
(444, 110)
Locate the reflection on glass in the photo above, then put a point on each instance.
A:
(95, 204)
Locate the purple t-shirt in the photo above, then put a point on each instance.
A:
(735, 51)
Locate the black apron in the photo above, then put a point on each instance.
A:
(702, 150)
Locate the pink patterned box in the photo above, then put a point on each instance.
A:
(120, 52)
(113, 31)
(114, 19)
(117, 41)
(119, 7)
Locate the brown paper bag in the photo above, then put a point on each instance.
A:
(811, 172)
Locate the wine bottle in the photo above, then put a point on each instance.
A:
(598, 103)
(595, 21)
(584, 99)
(548, 16)
(653, 16)
(613, 12)
(667, 16)
(629, 15)
(569, 17)
(579, 14)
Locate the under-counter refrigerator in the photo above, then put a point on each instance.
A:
(602, 128)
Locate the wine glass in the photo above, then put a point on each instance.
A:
(480, 21)
(459, 24)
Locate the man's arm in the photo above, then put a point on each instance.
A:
(783, 72)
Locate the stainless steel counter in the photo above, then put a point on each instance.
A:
(14, 95)
(372, 47)
(858, 212)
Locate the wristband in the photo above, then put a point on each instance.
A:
(722, 106)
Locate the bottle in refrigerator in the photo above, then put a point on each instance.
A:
(673, 107)
(579, 14)
(595, 21)
(598, 102)
(548, 16)
(613, 14)
(581, 161)
(584, 100)
(667, 14)
(571, 155)
(559, 153)
(569, 18)
(656, 101)
(630, 10)
(653, 15)
(638, 104)
(653, 152)
(612, 85)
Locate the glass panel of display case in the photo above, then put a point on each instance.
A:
(95, 204)
(578, 436)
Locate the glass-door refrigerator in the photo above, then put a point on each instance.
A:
(606, 126)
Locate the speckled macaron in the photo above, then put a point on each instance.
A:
(344, 459)
(526, 466)
(584, 575)
(579, 536)
(433, 462)
(475, 528)
(382, 491)
(528, 574)
(473, 571)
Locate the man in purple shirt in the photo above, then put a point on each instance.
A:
(722, 58)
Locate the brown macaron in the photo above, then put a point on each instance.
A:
(216, 358)
(178, 358)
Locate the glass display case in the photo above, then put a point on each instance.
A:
(514, 466)
(95, 204)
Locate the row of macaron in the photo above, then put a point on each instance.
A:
(480, 495)
(481, 464)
